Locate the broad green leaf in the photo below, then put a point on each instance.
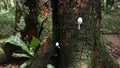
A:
(34, 43)
(25, 64)
(20, 55)
(17, 42)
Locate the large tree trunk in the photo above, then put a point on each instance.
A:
(79, 47)
(31, 19)
(46, 49)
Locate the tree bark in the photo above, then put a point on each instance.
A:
(79, 47)
(46, 49)
(20, 15)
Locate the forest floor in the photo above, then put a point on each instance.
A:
(114, 51)
(12, 64)
(114, 43)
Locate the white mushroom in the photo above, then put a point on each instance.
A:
(57, 45)
(79, 21)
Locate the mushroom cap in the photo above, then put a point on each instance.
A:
(80, 20)
(57, 44)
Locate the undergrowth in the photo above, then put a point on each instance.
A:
(7, 19)
(110, 21)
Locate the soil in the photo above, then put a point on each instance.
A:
(12, 64)
(114, 43)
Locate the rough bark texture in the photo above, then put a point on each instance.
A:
(79, 47)
(28, 10)
(21, 13)
(31, 28)
(31, 19)
(46, 49)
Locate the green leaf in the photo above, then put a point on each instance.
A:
(17, 42)
(40, 19)
(19, 55)
(25, 64)
(35, 42)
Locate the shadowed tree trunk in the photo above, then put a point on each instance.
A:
(79, 47)
(46, 49)
(20, 16)
(31, 19)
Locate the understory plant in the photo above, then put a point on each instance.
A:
(26, 50)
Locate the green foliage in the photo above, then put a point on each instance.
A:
(18, 55)
(6, 4)
(7, 19)
(17, 42)
(26, 50)
(34, 43)
(26, 64)
(7, 16)
(110, 21)
(40, 20)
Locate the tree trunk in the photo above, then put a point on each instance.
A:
(105, 4)
(113, 5)
(79, 47)
(46, 49)
(20, 17)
